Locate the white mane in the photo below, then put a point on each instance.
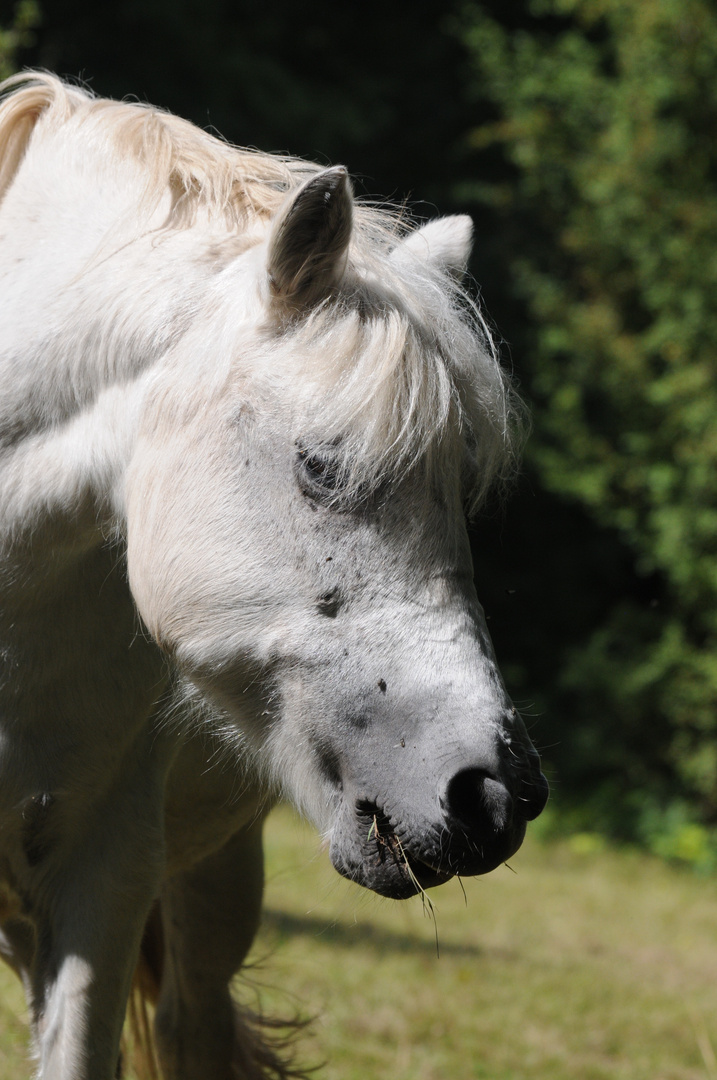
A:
(396, 366)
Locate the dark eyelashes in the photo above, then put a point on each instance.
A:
(319, 470)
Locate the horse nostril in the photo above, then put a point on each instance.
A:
(475, 798)
(534, 802)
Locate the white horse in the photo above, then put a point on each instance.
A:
(240, 419)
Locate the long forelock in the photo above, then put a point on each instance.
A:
(400, 370)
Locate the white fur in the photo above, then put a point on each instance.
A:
(446, 243)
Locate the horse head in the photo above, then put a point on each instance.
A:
(297, 538)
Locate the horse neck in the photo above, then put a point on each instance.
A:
(92, 303)
(84, 309)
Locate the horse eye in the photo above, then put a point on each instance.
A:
(318, 473)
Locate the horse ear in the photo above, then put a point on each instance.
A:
(446, 243)
(309, 240)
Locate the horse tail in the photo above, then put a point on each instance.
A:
(138, 1044)
(263, 1046)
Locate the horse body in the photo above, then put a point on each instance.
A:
(236, 403)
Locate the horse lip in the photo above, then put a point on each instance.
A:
(373, 854)
(397, 880)
(424, 875)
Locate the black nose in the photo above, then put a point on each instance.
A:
(479, 802)
(532, 796)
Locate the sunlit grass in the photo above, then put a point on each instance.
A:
(14, 1055)
(584, 964)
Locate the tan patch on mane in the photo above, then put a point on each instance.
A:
(199, 169)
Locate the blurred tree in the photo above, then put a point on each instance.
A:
(604, 119)
(16, 33)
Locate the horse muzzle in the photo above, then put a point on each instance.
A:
(396, 851)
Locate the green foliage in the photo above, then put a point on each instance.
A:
(17, 35)
(605, 112)
(673, 834)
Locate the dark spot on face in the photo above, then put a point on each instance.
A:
(328, 760)
(359, 721)
(329, 558)
(329, 603)
(382, 685)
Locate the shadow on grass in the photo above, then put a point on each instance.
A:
(372, 937)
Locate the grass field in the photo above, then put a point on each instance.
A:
(583, 964)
